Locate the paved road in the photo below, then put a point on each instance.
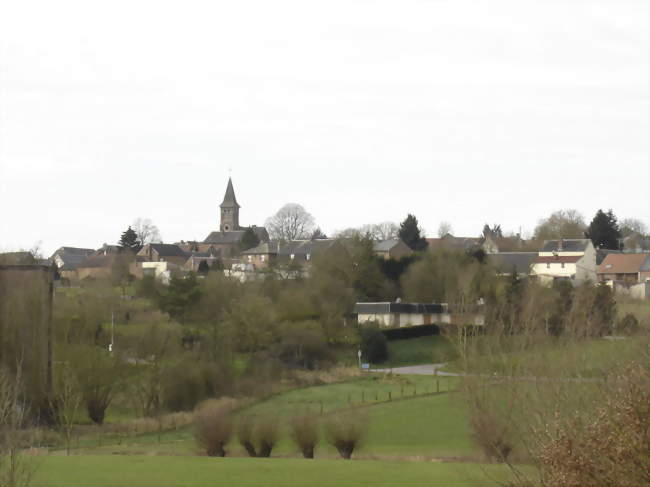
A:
(429, 369)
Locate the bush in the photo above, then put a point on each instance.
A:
(374, 346)
(304, 432)
(491, 435)
(345, 431)
(213, 426)
(303, 346)
(610, 447)
(628, 325)
(184, 387)
(245, 428)
(267, 432)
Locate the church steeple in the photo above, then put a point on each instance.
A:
(229, 210)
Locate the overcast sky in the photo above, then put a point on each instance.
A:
(361, 111)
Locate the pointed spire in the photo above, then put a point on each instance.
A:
(229, 200)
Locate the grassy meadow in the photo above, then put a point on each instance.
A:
(174, 471)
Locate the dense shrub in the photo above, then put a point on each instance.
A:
(245, 434)
(213, 426)
(267, 432)
(303, 345)
(628, 325)
(184, 387)
(374, 346)
(345, 431)
(304, 432)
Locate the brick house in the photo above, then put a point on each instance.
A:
(391, 249)
(154, 252)
(625, 268)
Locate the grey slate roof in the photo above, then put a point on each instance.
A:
(505, 262)
(406, 308)
(73, 251)
(385, 245)
(229, 199)
(235, 236)
(168, 250)
(71, 261)
(566, 245)
(298, 248)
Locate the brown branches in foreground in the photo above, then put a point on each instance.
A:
(609, 447)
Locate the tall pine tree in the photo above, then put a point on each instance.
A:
(129, 240)
(409, 232)
(603, 230)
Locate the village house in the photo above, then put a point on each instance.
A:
(400, 315)
(505, 263)
(155, 252)
(463, 244)
(635, 243)
(625, 268)
(195, 258)
(391, 249)
(565, 259)
(68, 259)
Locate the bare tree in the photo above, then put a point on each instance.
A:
(444, 228)
(16, 470)
(561, 224)
(630, 226)
(291, 222)
(146, 231)
(376, 231)
(66, 402)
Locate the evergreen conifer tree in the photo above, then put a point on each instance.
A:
(409, 232)
(603, 230)
(129, 240)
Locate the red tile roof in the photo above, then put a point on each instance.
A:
(622, 263)
(557, 259)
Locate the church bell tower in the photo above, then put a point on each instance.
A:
(229, 210)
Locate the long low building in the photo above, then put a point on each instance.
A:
(400, 315)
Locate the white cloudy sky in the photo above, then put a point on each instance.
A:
(362, 111)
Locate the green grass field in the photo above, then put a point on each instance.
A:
(431, 426)
(170, 471)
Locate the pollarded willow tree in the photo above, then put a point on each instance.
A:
(291, 222)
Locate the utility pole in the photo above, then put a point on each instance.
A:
(110, 347)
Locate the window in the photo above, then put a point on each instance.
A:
(263, 258)
(293, 256)
(562, 265)
(548, 265)
(250, 258)
(308, 256)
